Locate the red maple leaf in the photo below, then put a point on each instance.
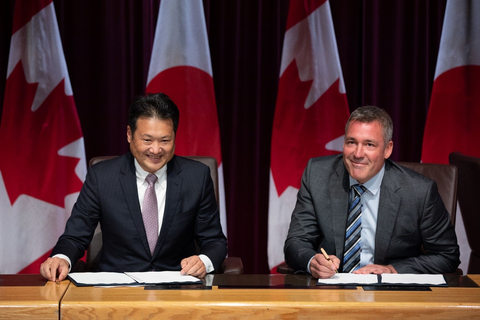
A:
(300, 134)
(30, 141)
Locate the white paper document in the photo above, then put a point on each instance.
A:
(158, 277)
(385, 279)
(408, 278)
(101, 278)
(350, 278)
(130, 278)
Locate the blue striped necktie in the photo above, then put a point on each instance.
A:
(351, 256)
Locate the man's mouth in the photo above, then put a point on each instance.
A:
(153, 157)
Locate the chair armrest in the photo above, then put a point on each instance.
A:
(283, 268)
(232, 265)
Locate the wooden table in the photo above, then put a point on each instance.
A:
(289, 297)
(30, 297)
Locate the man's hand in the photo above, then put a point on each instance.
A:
(193, 266)
(376, 269)
(322, 268)
(53, 267)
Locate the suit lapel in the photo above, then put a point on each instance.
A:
(339, 195)
(128, 182)
(388, 209)
(174, 186)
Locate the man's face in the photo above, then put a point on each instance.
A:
(153, 143)
(364, 151)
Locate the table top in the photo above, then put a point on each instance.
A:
(234, 296)
(30, 297)
(287, 295)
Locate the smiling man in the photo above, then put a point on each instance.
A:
(151, 204)
(368, 213)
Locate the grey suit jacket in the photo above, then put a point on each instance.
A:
(109, 196)
(413, 233)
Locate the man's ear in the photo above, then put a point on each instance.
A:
(388, 150)
(129, 134)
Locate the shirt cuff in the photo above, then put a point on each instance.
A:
(207, 262)
(308, 265)
(64, 257)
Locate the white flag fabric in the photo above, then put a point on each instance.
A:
(180, 67)
(43, 165)
(452, 120)
(310, 114)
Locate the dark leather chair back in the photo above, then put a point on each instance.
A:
(231, 265)
(446, 177)
(468, 195)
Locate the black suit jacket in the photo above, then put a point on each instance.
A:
(109, 196)
(413, 233)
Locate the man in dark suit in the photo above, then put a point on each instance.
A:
(405, 227)
(115, 194)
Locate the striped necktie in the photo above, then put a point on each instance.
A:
(351, 256)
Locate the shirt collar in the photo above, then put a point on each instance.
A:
(372, 185)
(142, 174)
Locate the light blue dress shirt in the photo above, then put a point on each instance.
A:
(370, 200)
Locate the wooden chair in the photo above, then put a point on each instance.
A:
(468, 194)
(231, 265)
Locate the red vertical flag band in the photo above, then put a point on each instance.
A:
(310, 113)
(452, 120)
(43, 165)
(180, 66)
(455, 103)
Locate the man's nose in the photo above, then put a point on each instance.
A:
(155, 147)
(359, 152)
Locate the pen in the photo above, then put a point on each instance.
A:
(328, 258)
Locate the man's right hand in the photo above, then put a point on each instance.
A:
(55, 269)
(321, 268)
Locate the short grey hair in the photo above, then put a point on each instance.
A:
(368, 114)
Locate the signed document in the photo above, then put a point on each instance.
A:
(130, 278)
(158, 277)
(350, 278)
(409, 278)
(384, 279)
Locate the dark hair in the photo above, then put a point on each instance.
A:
(369, 114)
(153, 105)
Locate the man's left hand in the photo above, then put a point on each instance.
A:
(375, 269)
(193, 266)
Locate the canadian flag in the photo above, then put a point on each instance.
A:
(310, 114)
(180, 67)
(452, 121)
(43, 157)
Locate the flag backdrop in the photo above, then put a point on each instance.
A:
(310, 114)
(180, 67)
(452, 121)
(43, 159)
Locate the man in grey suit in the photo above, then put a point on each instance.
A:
(185, 208)
(405, 227)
